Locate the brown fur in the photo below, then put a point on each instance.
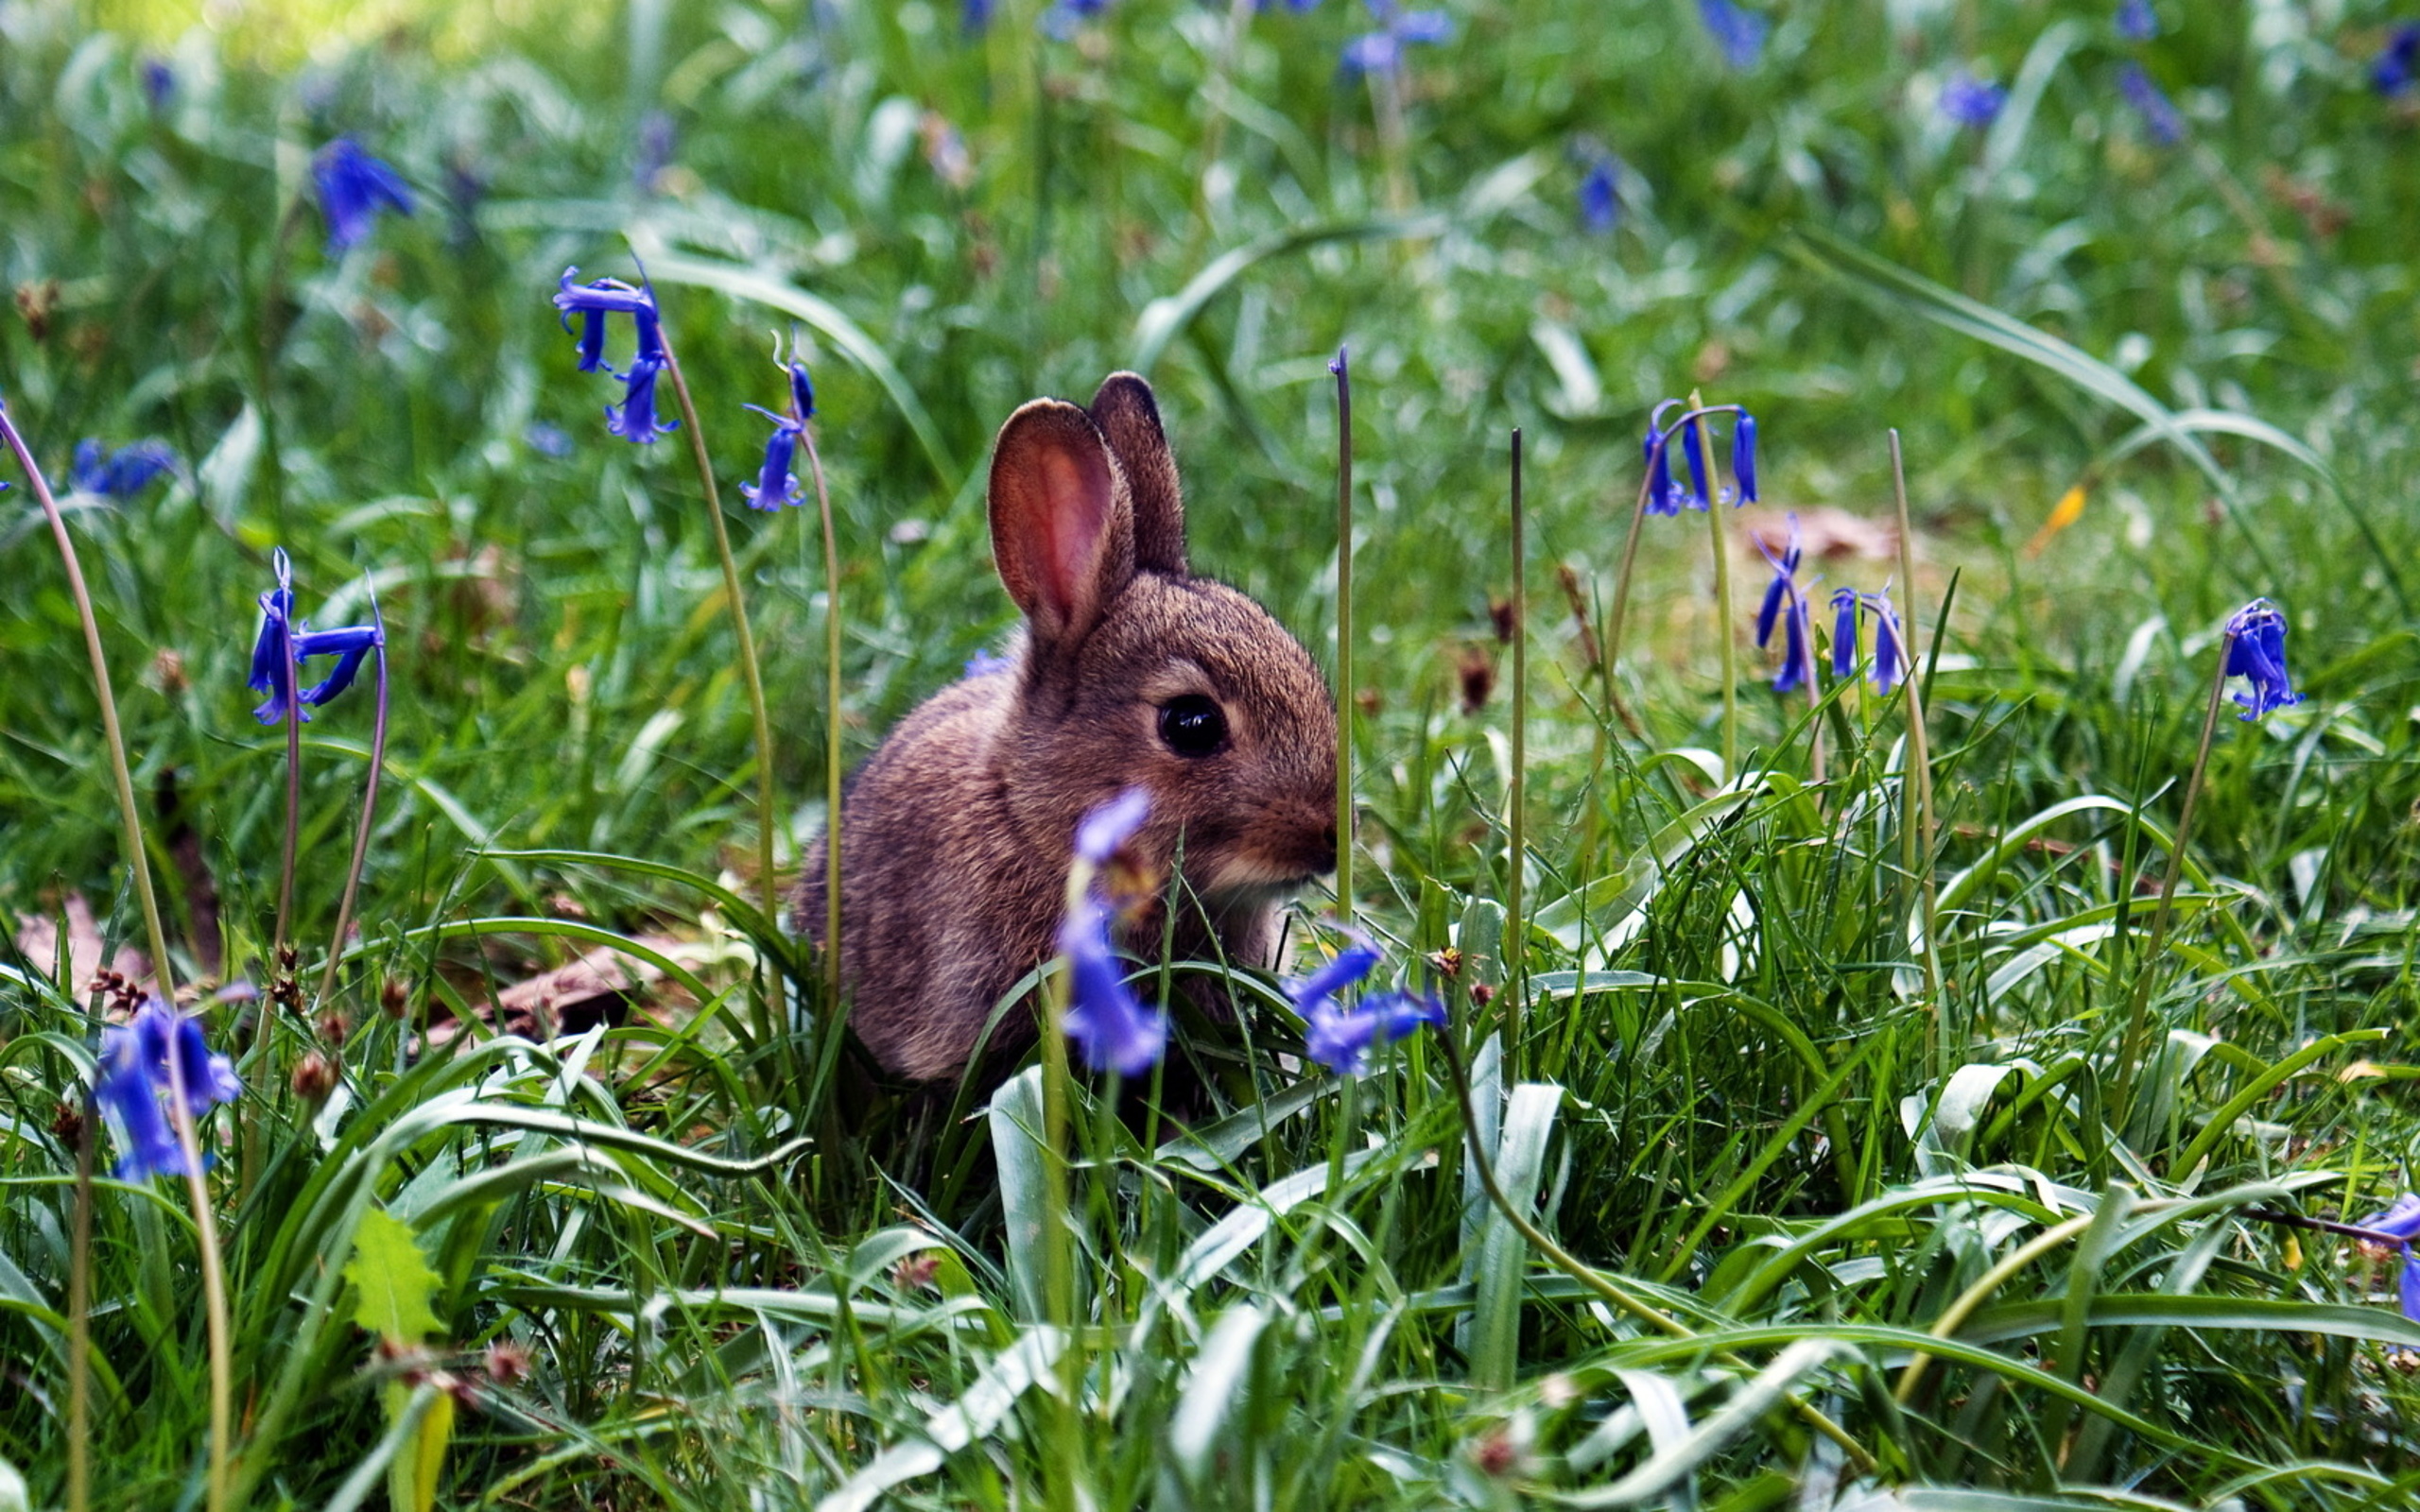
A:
(956, 836)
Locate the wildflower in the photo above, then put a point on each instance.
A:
(635, 419)
(1600, 207)
(1889, 646)
(2256, 652)
(354, 187)
(1970, 101)
(775, 485)
(1693, 452)
(1662, 496)
(1350, 965)
(593, 302)
(1739, 32)
(974, 16)
(285, 644)
(1743, 457)
(155, 1056)
(1112, 1029)
(2401, 1223)
(1785, 584)
(1845, 632)
(1063, 18)
(1381, 51)
(159, 83)
(2159, 117)
(1110, 825)
(127, 471)
(2391, 73)
(2138, 21)
(983, 663)
(802, 391)
(1798, 653)
(547, 440)
(1340, 1038)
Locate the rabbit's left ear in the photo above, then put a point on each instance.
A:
(1063, 535)
(1128, 419)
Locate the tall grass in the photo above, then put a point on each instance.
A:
(690, 1252)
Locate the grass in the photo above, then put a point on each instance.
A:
(693, 1257)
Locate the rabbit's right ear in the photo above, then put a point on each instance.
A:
(1062, 533)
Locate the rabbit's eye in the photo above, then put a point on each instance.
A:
(1193, 725)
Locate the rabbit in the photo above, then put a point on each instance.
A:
(1129, 672)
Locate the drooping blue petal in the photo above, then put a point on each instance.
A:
(1663, 494)
(1701, 494)
(1110, 825)
(1970, 101)
(2138, 21)
(775, 486)
(2159, 118)
(635, 419)
(2402, 1220)
(802, 391)
(2411, 1283)
(349, 645)
(159, 83)
(1845, 632)
(1785, 571)
(1600, 207)
(1111, 1029)
(353, 188)
(1743, 457)
(121, 474)
(1738, 33)
(2256, 652)
(1340, 1041)
(1890, 651)
(2391, 73)
(1350, 965)
(1798, 652)
(84, 472)
(272, 662)
(136, 1080)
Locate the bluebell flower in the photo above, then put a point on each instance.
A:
(1109, 1024)
(2256, 652)
(159, 83)
(1350, 964)
(1340, 1038)
(1890, 647)
(285, 644)
(547, 440)
(1737, 32)
(2158, 116)
(983, 663)
(974, 16)
(1381, 51)
(142, 1068)
(1064, 16)
(593, 302)
(1845, 632)
(271, 660)
(1600, 205)
(802, 391)
(775, 486)
(2138, 21)
(2401, 1224)
(2391, 73)
(354, 188)
(1110, 825)
(127, 471)
(351, 646)
(1785, 584)
(634, 418)
(1798, 647)
(1970, 101)
(1664, 496)
(1743, 457)
(1693, 452)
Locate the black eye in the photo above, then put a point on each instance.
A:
(1193, 726)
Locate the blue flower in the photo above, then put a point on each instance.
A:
(1890, 647)
(354, 188)
(159, 83)
(1112, 1029)
(1970, 101)
(974, 16)
(2256, 652)
(1693, 452)
(983, 663)
(775, 485)
(593, 302)
(2401, 1224)
(1798, 647)
(1350, 965)
(141, 1067)
(1063, 18)
(2138, 21)
(1381, 51)
(1664, 496)
(1845, 632)
(118, 475)
(2391, 73)
(547, 440)
(802, 391)
(284, 644)
(1110, 825)
(635, 419)
(1743, 457)
(1737, 31)
(1340, 1039)
(2158, 116)
(1600, 205)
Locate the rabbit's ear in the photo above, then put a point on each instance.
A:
(1128, 419)
(1062, 533)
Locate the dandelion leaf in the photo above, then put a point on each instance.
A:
(394, 1285)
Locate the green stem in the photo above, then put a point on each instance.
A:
(1517, 930)
(1058, 1263)
(770, 885)
(1343, 370)
(831, 730)
(79, 1322)
(369, 814)
(1918, 795)
(2129, 1052)
(1725, 636)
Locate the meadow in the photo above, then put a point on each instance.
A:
(1970, 1089)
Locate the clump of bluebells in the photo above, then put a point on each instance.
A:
(1340, 1038)
(354, 187)
(284, 644)
(1786, 608)
(635, 419)
(1849, 608)
(158, 1058)
(121, 474)
(1382, 51)
(1665, 493)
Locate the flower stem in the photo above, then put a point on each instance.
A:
(1343, 370)
(1725, 637)
(2130, 1051)
(1919, 774)
(1517, 930)
(1058, 1263)
(369, 812)
(770, 885)
(831, 730)
(80, 1322)
(114, 737)
(213, 1285)
(279, 963)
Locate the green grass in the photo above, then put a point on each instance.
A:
(743, 1273)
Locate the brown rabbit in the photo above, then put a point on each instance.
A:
(1130, 672)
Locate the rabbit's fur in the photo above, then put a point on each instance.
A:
(956, 836)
